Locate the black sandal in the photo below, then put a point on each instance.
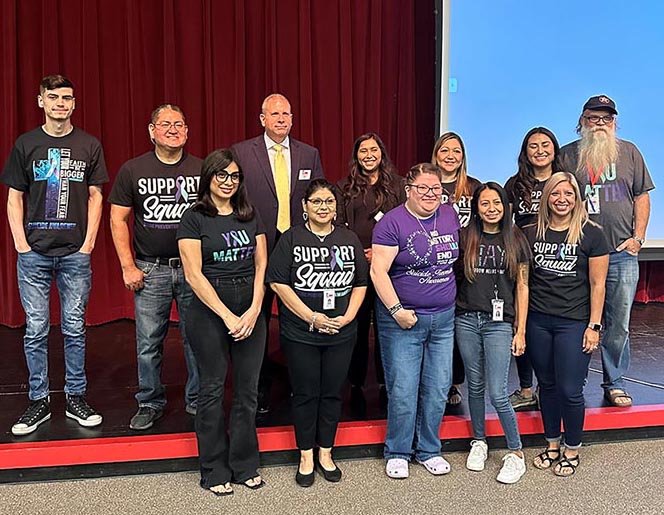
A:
(546, 458)
(566, 463)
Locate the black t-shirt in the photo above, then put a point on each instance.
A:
(312, 268)
(360, 213)
(228, 245)
(159, 194)
(490, 274)
(461, 204)
(522, 215)
(56, 174)
(559, 278)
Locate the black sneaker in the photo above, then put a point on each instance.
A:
(263, 407)
(520, 402)
(37, 412)
(77, 408)
(145, 418)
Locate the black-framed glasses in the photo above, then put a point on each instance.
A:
(318, 202)
(167, 126)
(595, 118)
(223, 176)
(423, 189)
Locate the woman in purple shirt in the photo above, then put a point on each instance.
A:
(414, 248)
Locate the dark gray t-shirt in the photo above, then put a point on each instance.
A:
(615, 190)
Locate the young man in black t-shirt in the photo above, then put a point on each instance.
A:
(159, 186)
(61, 169)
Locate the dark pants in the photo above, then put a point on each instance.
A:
(458, 370)
(555, 348)
(223, 458)
(317, 373)
(268, 367)
(357, 373)
(525, 370)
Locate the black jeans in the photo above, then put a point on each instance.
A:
(317, 374)
(357, 373)
(222, 457)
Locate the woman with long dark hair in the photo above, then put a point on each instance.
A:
(538, 159)
(224, 254)
(492, 298)
(371, 189)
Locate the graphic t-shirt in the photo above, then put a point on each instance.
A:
(56, 174)
(610, 199)
(461, 204)
(522, 214)
(422, 273)
(491, 278)
(559, 277)
(159, 194)
(361, 213)
(317, 269)
(228, 245)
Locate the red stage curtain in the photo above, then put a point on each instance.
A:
(347, 66)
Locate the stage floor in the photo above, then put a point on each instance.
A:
(111, 370)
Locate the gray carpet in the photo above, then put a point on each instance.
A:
(619, 478)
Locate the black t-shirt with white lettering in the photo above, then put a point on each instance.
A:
(461, 204)
(491, 275)
(523, 215)
(228, 245)
(559, 277)
(314, 269)
(56, 173)
(159, 194)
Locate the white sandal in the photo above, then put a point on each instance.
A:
(436, 465)
(397, 468)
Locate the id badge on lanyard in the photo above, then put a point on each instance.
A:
(498, 306)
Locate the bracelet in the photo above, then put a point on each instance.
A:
(395, 308)
(313, 321)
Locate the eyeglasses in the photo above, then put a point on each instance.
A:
(423, 189)
(595, 119)
(318, 202)
(223, 177)
(167, 126)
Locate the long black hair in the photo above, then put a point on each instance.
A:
(514, 240)
(216, 161)
(525, 177)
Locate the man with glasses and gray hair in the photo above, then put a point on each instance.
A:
(277, 170)
(615, 182)
(159, 186)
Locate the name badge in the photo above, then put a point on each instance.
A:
(593, 202)
(305, 175)
(328, 299)
(378, 216)
(498, 305)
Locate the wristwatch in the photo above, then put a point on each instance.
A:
(640, 240)
(595, 327)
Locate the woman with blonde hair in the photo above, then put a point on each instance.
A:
(567, 286)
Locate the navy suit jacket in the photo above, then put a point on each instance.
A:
(252, 157)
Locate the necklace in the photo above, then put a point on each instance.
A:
(432, 234)
(321, 237)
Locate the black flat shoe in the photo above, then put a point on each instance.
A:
(304, 480)
(333, 476)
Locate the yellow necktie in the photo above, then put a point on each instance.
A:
(283, 193)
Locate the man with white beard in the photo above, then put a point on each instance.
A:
(615, 181)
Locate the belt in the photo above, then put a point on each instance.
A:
(171, 262)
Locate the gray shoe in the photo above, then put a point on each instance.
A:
(145, 418)
(520, 402)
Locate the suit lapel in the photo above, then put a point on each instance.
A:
(295, 164)
(264, 162)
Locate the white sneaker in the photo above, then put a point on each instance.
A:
(513, 468)
(478, 454)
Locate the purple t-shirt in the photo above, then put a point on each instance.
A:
(422, 272)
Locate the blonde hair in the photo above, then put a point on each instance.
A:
(579, 217)
(462, 185)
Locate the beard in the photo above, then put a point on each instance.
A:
(598, 148)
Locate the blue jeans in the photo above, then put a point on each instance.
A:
(418, 375)
(73, 278)
(621, 282)
(162, 285)
(555, 347)
(486, 349)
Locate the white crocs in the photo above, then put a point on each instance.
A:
(397, 468)
(436, 465)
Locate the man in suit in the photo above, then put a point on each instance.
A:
(277, 170)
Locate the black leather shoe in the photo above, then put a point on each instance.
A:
(304, 480)
(333, 476)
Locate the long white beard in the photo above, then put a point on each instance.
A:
(598, 148)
